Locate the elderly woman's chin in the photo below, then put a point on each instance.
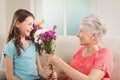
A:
(82, 44)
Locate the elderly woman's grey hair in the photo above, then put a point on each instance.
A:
(94, 25)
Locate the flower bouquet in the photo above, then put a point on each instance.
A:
(45, 39)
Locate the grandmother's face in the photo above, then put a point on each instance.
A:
(84, 36)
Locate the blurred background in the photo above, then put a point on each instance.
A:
(66, 14)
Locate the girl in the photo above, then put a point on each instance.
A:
(21, 54)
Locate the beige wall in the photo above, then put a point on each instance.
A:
(2, 17)
(12, 6)
(109, 10)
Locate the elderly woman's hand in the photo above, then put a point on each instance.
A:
(53, 59)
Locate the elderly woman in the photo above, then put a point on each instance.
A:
(92, 61)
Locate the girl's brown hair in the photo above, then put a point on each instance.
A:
(14, 32)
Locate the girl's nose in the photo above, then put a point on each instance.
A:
(31, 28)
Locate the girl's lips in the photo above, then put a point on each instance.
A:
(28, 31)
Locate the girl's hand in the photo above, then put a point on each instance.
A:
(51, 75)
(47, 70)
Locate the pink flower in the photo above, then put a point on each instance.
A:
(37, 26)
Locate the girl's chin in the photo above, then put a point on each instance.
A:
(28, 34)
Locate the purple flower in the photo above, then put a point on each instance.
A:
(51, 34)
(48, 34)
(54, 27)
(37, 26)
(43, 36)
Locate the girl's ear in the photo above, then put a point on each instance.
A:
(17, 24)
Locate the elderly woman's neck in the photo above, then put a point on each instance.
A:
(93, 48)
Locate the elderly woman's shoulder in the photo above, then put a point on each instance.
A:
(104, 51)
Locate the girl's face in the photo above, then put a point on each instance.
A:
(84, 36)
(26, 26)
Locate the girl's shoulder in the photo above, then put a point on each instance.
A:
(9, 48)
(10, 43)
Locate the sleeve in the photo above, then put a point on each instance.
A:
(104, 62)
(9, 50)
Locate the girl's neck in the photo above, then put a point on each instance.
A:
(25, 42)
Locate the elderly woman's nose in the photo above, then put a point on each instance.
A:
(78, 34)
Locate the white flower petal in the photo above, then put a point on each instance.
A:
(44, 30)
(39, 41)
(36, 41)
(37, 33)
